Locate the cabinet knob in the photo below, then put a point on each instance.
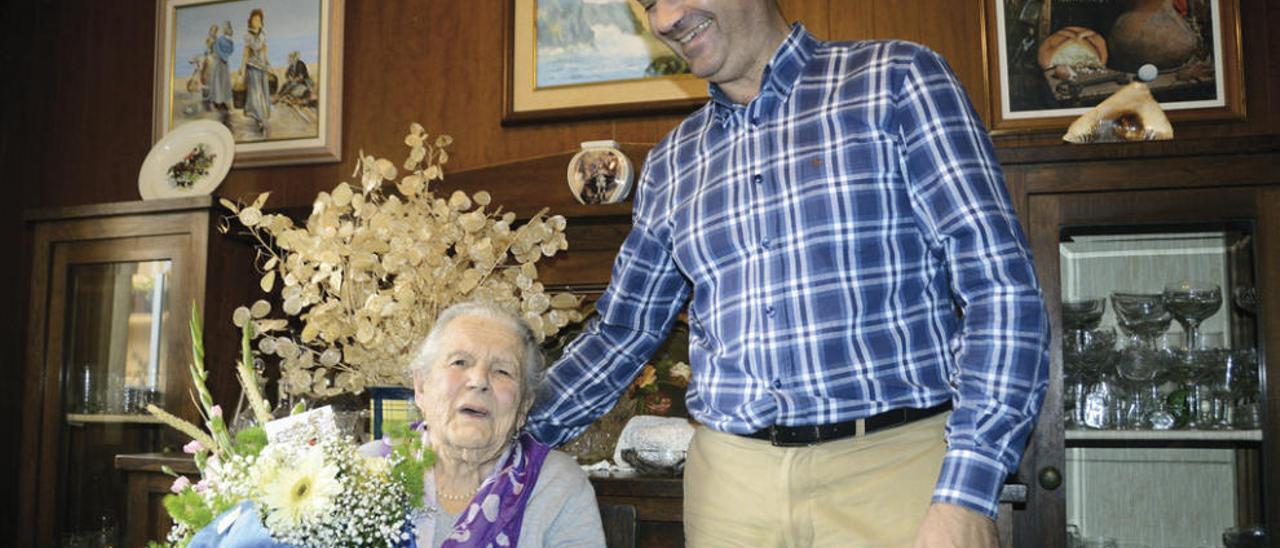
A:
(1050, 478)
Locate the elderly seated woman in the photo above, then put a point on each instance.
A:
(474, 379)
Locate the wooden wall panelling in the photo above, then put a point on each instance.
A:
(19, 128)
(83, 124)
(851, 20)
(813, 13)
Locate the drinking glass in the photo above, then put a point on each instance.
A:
(1246, 297)
(1141, 366)
(1100, 542)
(1103, 404)
(1246, 412)
(1245, 537)
(1192, 302)
(1088, 352)
(1085, 313)
(1142, 314)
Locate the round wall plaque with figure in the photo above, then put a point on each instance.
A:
(600, 173)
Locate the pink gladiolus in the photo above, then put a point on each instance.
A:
(179, 484)
(202, 486)
(193, 447)
(215, 411)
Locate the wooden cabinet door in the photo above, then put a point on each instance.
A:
(110, 299)
(1185, 484)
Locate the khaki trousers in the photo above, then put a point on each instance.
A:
(868, 490)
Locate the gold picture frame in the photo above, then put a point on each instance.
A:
(1026, 97)
(593, 96)
(204, 73)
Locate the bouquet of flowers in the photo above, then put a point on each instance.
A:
(293, 481)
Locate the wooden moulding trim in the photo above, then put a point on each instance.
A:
(1064, 152)
(118, 208)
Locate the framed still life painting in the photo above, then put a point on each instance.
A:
(268, 70)
(590, 58)
(1052, 60)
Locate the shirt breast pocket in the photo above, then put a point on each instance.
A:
(847, 204)
(850, 160)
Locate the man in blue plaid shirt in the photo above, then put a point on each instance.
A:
(867, 335)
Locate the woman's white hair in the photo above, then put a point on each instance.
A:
(532, 365)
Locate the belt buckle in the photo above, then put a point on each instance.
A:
(773, 436)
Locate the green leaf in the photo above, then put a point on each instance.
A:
(188, 508)
(251, 440)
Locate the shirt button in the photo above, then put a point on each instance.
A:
(777, 383)
(769, 310)
(766, 243)
(757, 178)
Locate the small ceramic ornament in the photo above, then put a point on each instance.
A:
(600, 173)
(1130, 114)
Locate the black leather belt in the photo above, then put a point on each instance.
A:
(796, 436)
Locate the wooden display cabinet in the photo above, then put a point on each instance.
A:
(1135, 217)
(112, 289)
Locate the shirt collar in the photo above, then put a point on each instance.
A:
(780, 75)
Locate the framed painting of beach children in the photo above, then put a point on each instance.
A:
(589, 58)
(269, 70)
(1052, 60)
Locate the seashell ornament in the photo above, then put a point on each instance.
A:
(1130, 114)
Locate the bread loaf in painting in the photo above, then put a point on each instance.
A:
(1072, 46)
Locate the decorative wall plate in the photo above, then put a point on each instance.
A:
(191, 160)
(600, 173)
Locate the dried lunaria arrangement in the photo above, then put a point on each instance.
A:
(372, 268)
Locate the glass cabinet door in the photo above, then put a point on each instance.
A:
(113, 342)
(113, 347)
(1160, 377)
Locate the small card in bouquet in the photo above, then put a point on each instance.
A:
(304, 428)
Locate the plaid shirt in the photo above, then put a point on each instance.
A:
(827, 231)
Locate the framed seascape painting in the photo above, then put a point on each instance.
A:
(590, 58)
(1052, 60)
(268, 70)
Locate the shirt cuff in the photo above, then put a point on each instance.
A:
(971, 480)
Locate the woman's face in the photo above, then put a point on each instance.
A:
(255, 22)
(470, 397)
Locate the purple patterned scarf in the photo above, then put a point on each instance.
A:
(496, 512)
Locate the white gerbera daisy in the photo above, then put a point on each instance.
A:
(302, 492)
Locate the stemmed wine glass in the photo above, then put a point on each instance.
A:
(1145, 318)
(1083, 314)
(1191, 303)
(1086, 355)
(1143, 315)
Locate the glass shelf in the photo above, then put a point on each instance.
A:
(83, 418)
(1165, 435)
